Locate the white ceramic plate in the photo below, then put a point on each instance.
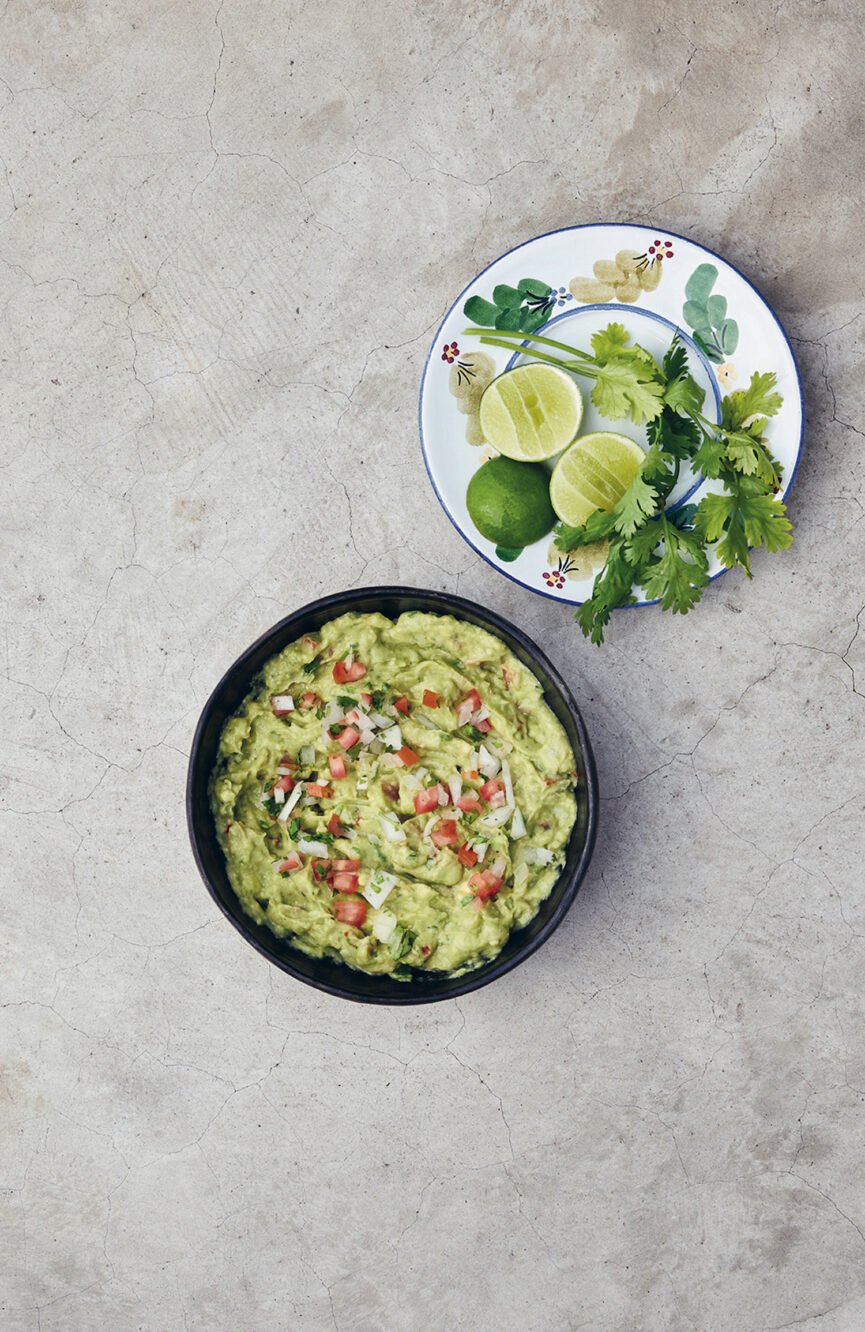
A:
(668, 284)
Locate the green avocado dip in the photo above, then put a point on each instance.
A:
(396, 795)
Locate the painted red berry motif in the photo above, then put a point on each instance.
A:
(450, 353)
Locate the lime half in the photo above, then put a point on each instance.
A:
(531, 412)
(593, 473)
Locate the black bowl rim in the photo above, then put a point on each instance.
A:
(449, 603)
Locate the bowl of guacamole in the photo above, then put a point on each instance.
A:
(392, 796)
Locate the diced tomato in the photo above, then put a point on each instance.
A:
(486, 885)
(279, 712)
(348, 674)
(345, 866)
(484, 726)
(351, 913)
(445, 833)
(469, 804)
(430, 700)
(285, 784)
(401, 704)
(349, 737)
(464, 711)
(345, 883)
(317, 789)
(489, 789)
(310, 700)
(320, 869)
(292, 862)
(366, 700)
(312, 643)
(407, 755)
(337, 766)
(336, 827)
(474, 698)
(353, 716)
(467, 856)
(426, 800)
(498, 800)
(491, 886)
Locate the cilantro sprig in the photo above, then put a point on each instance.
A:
(667, 553)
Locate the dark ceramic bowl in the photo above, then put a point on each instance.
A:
(323, 973)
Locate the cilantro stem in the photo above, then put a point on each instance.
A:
(532, 337)
(540, 356)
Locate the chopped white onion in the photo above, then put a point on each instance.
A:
(498, 867)
(349, 660)
(410, 781)
(488, 764)
(389, 709)
(391, 761)
(367, 736)
(334, 712)
(481, 715)
(380, 884)
(307, 754)
(425, 721)
(363, 781)
(521, 874)
(518, 826)
(455, 786)
(481, 846)
(497, 817)
(537, 855)
(291, 802)
(392, 737)
(285, 772)
(378, 720)
(376, 746)
(312, 848)
(498, 746)
(444, 795)
(278, 795)
(391, 829)
(282, 703)
(508, 781)
(384, 925)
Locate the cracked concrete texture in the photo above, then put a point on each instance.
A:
(227, 234)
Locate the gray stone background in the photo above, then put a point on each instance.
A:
(227, 235)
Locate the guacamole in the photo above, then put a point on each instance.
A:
(396, 795)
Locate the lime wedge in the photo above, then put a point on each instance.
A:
(593, 473)
(531, 412)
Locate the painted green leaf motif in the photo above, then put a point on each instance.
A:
(532, 287)
(507, 298)
(480, 311)
(530, 320)
(695, 314)
(508, 553)
(509, 319)
(729, 336)
(700, 283)
(709, 352)
(716, 310)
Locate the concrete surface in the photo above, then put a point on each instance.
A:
(227, 234)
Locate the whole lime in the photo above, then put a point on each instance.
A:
(509, 502)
